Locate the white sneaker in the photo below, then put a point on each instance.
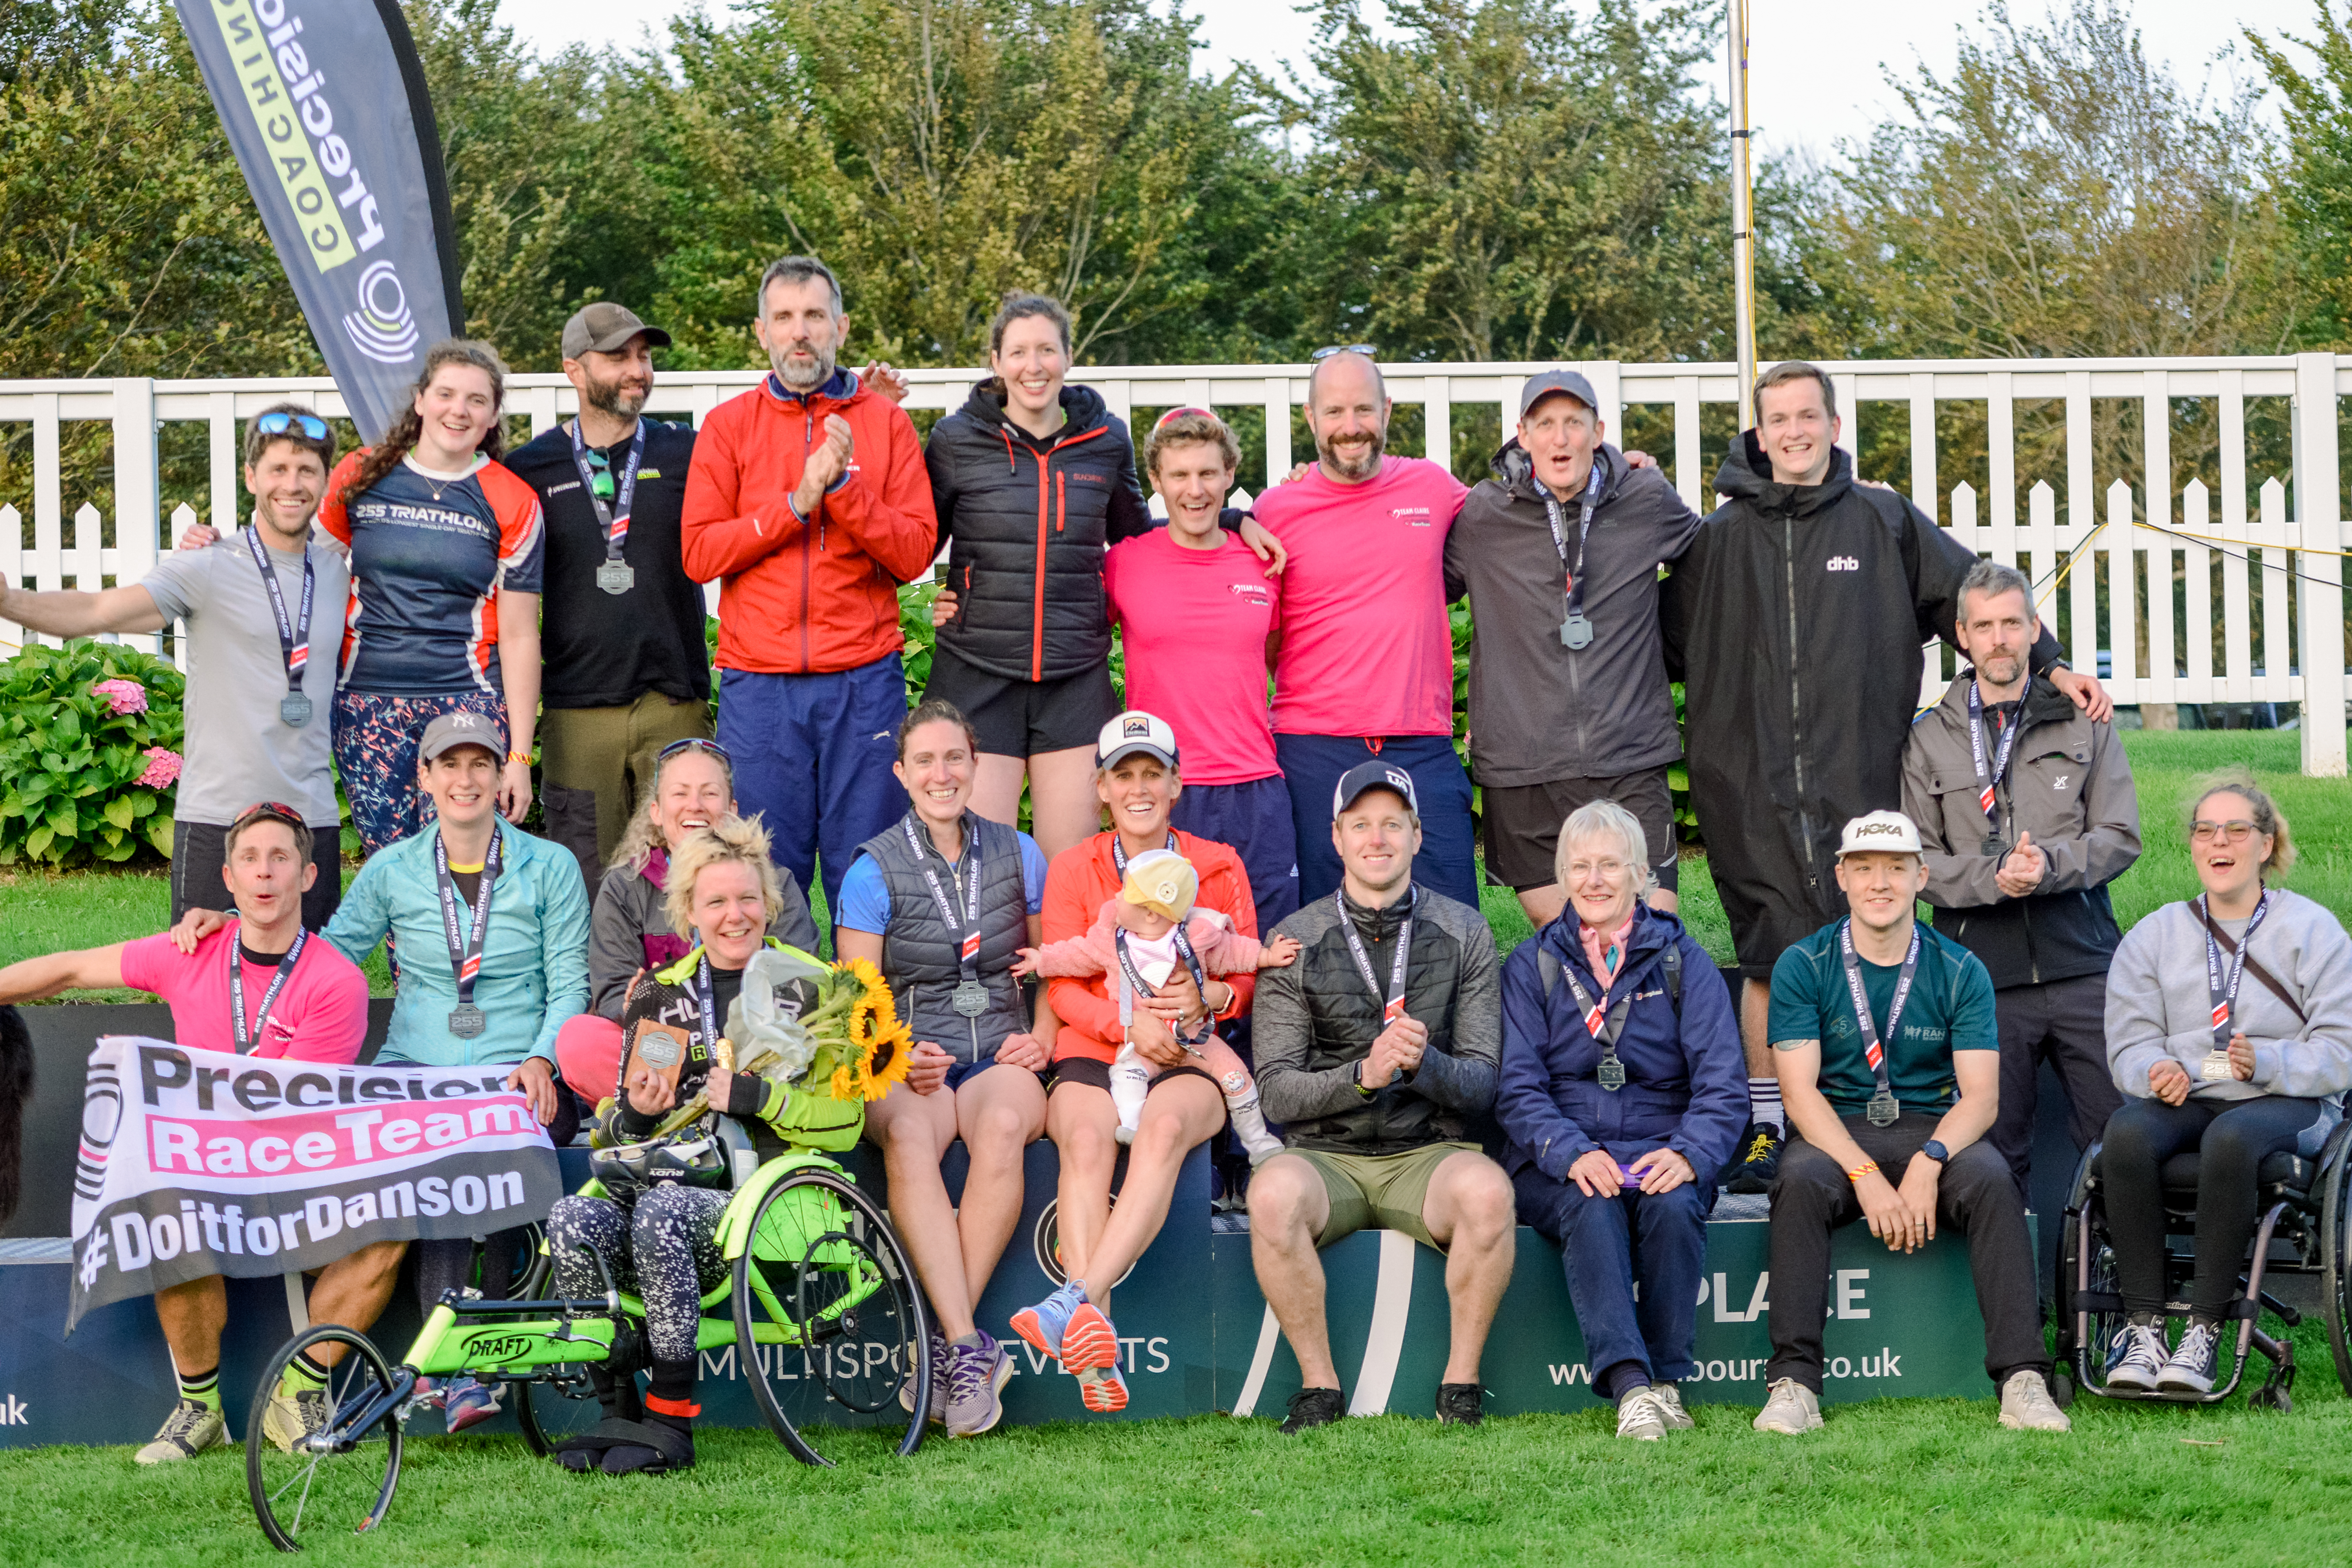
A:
(1242, 1108)
(2136, 1356)
(2026, 1404)
(1642, 1415)
(188, 1430)
(1670, 1398)
(1791, 1407)
(1130, 1081)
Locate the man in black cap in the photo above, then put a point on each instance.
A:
(1558, 553)
(627, 669)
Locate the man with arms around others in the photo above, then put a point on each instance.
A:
(1376, 1047)
(1795, 620)
(1559, 553)
(263, 986)
(2026, 812)
(256, 608)
(1890, 1067)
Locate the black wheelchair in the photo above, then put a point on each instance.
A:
(2306, 1209)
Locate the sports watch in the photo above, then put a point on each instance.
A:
(1936, 1152)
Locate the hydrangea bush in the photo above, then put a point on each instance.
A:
(90, 740)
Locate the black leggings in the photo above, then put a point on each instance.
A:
(2230, 1137)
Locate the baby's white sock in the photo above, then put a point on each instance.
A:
(1249, 1121)
(1130, 1081)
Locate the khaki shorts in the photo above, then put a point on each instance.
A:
(1387, 1191)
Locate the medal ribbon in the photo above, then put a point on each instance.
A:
(612, 521)
(1873, 1051)
(968, 947)
(1133, 984)
(1597, 1014)
(1392, 1001)
(1574, 587)
(2224, 990)
(294, 633)
(246, 1043)
(466, 942)
(1987, 780)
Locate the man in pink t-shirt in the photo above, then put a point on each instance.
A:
(301, 1000)
(1365, 667)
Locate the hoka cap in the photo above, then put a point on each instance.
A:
(1880, 832)
(1374, 775)
(1136, 731)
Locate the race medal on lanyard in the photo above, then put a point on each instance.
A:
(615, 575)
(1882, 1108)
(246, 1043)
(1575, 631)
(293, 632)
(970, 997)
(2222, 988)
(465, 1020)
(1987, 779)
(1393, 1000)
(1604, 1024)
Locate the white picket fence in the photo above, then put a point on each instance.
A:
(2133, 534)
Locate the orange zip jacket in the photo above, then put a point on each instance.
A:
(806, 595)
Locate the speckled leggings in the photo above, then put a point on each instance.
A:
(665, 1248)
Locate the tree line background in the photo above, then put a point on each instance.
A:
(1487, 179)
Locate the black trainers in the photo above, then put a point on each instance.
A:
(1460, 1405)
(1313, 1407)
(1758, 1162)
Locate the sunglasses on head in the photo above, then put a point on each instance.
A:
(1180, 413)
(277, 422)
(268, 811)
(693, 743)
(1367, 350)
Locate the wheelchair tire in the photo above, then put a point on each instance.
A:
(345, 1490)
(2103, 1325)
(823, 1264)
(2335, 1245)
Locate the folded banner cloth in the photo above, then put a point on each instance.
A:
(195, 1162)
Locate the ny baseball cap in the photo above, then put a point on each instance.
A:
(604, 326)
(1135, 731)
(1539, 387)
(1369, 776)
(1162, 881)
(460, 728)
(1883, 833)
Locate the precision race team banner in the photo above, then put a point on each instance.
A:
(324, 102)
(196, 1162)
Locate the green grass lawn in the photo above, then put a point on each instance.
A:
(1925, 1482)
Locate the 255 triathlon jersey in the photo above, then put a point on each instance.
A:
(429, 557)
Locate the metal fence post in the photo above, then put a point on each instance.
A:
(2319, 593)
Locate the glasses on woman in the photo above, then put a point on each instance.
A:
(279, 421)
(2220, 832)
(693, 743)
(1367, 350)
(1584, 871)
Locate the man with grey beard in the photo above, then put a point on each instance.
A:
(808, 500)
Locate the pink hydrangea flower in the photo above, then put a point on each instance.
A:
(163, 768)
(122, 696)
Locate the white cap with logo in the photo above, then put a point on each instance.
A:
(1880, 832)
(1135, 731)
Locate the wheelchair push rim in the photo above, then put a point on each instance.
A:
(340, 1480)
(824, 1287)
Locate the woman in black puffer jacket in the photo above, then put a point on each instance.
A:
(1034, 479)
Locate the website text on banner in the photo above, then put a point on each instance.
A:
(195, 1162)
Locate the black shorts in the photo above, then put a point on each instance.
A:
(1018, 718)
(1523, 823)
(199, 851)
(1086, 1071)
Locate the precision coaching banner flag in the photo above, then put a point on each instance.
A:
(324, 102)
(197, 1162)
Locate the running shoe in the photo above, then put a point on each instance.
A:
(1758, 1162)
(1089, 1341)
(2190, 1370)
(469, 1404)
(939, 1353)
(1460, 1405)
(1791, 1407)
(1670, 1400)
(1642, 1415)
(972, 1377)
(1043, 1324)
(291, 1417)
(1102, 1390)
(187, 1431)
(2026, 1404)
(1312, 1407)
(2136, 1357)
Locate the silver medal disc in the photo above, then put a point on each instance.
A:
(465, 1020)
(2215, 1068)
(656, 1049)
(616, 576)
(971, 998)
(294, 709)
(1576, 631)
(1611, 1074)
(1883, 1110)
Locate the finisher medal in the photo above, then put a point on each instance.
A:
(616, 576)
(970, 998)
(2215, 1068)
(1611, 1074)
(465, 1020)
(1882, 1109)
(1576, 631)
(294, 709)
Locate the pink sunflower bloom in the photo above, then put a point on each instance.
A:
(163, 768)
(122, 696)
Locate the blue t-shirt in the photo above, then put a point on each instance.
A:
(866, 893)
(1949, 1009)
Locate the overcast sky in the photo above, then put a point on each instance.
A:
(1815, 58)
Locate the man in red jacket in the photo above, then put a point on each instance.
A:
(809, 500)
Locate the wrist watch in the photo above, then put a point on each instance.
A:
(1936, 1152)
(1359, 1079)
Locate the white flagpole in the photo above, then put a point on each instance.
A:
(1743, 217)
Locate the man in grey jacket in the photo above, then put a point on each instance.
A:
(2026, 812)
(1375, 1047)
(1568, 701)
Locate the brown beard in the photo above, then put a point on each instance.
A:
(1362, 467)
(606, 398)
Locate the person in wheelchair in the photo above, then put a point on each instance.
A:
(2211, 1063)
(655, 1220)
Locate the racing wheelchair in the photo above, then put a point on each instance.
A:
(2306, 1208)
(816, 1268)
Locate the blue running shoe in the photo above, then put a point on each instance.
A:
(1043, 1324)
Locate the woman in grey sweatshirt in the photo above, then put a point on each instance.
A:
(2269, 1077)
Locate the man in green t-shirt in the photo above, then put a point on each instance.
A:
(1889, 1059)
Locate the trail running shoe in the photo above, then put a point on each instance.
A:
(2190, 1370)
(1460, 1405)
(2136, 1357)
(187, 1431)
(1102, 1390)
(1312, 1407)
(469, 1404)
(2026, 1404)
(1642, 1415)
(294, 1416)
(1759, 1163)
(1791, 1407)
(939, 1362)
(1043, 1324)
(974, 1376)
(1670, 1399)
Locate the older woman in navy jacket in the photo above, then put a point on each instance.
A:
(1624, 1093)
